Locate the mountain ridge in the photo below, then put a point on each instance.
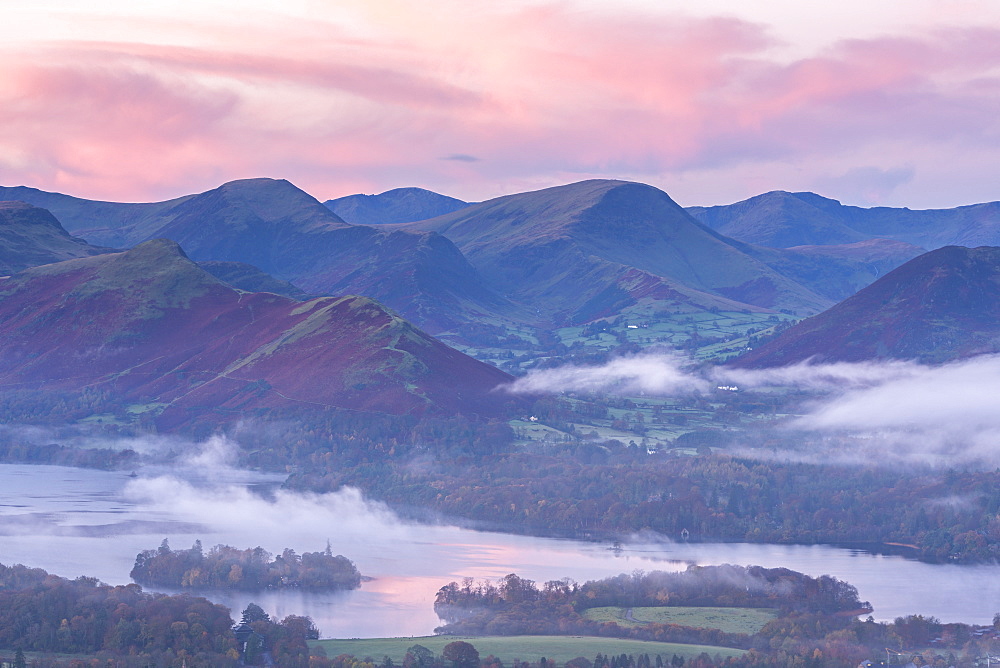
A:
(287, 233)
(782, 219)
(573, 242)
(170, 334)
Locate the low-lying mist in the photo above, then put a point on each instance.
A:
(887, 412)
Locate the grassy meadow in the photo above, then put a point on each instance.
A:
(730, 620)
(524, 648)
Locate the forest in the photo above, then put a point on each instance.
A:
(605, 491)
(41, 612)
(253, 569)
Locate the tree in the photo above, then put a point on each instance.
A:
(19, 661)
(254, 613)
(418, 656)
(461, 654)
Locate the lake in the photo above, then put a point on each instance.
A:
(74, 522)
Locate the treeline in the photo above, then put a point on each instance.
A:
(725, 586)
(462, 654)
(40, 612)
(254, 569)
(516, 606)
(594, 490)
(107, 459)
(43, 612)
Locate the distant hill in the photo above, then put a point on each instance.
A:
(400, 205)
(287, 233)
(31, 236)
(940, 306)
(100, 223)
(150, 326)
(779, 220)
(590, 249)
(782, 219)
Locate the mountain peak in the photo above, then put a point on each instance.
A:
(22, 213)
(400, 205)
(31, 236)
(157, 249)
(780, 219)
(268, 200)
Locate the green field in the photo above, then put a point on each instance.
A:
(730, 620)
(524, 648)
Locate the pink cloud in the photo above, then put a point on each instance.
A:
(534, 94)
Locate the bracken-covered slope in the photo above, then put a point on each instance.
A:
(941, 306)
(31, 236)
(285, 232)
(589, 249)
(400, 205)
(782, 219)
(148, 325)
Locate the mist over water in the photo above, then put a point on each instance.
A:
(75, 522)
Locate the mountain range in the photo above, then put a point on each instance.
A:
(592, 249)
(941, 306)
(152, 327)
(560, 256)
(781, 219)
(287, 233)
(518, 259)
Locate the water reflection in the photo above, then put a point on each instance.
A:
(73, 522)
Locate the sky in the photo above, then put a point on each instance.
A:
(893, 103)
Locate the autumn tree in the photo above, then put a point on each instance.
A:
(461, 654)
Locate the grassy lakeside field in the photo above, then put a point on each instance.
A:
(730, 620)
(523, 648)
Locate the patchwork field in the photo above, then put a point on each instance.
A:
(524, 648)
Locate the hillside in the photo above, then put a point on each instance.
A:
(31, 236)
(940, 306)
(781, 219)
(400, 205)
(590, 249)
(149, 326)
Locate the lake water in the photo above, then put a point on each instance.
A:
(75, 522)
